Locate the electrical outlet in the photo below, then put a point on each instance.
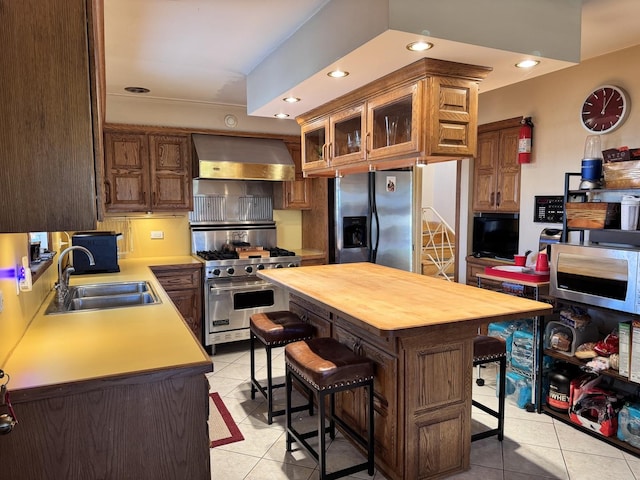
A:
(157, 234)
(1, 301)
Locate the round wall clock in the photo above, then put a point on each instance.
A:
(604, 109)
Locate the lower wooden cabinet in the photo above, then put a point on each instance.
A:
(183, 284)
(477, 265)
(146, 426)
(352, 405)
(320, 319)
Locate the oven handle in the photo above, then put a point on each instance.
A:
(262, 285)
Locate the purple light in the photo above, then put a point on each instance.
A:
(7, 273)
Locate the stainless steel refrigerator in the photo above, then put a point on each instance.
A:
(376, 217)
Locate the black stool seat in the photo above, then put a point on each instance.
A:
(326, 367)
(488, 349)
(274, 329)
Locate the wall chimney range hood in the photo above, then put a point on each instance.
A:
(241, 158)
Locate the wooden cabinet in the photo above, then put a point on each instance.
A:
(477, 265)
(352, 405)
(147, 172)
(183, 284)
(51, 109)
(425, 111)
(295, 195)
(496, 172)
(318, 317)
(159, 416)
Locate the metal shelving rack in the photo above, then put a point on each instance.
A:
(536, 370)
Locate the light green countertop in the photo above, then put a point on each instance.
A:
(72, 347)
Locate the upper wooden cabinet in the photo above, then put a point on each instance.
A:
(294, 195)
(50, 114)
(496, 172)
(425, 112)
(147, 172)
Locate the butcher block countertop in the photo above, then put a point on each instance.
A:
(62, 348)
(392, 302)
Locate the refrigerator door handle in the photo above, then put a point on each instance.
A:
(374, 219)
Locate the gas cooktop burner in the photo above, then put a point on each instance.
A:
(218, 255)
(280, 252)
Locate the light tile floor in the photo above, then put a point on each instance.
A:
(535, 446)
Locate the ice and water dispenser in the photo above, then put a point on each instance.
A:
(354, 232)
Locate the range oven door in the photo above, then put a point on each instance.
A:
(230, 304)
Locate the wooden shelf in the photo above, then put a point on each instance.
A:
(581, 363)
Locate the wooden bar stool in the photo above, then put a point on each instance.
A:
(275, 329)
(326, 366)
(488, 349)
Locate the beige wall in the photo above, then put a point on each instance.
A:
(18, 309)
(554, 102)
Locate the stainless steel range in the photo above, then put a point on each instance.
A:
(234, 250)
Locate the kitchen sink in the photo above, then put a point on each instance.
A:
(102, 289)
(103, 296)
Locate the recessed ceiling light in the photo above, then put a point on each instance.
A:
(527, 63)
(291, 99)
(281, 115)
(338, 74)
(137, 89)
(419, 46)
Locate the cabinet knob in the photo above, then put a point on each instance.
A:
(493, 196)
(107, 193)
(498, 201)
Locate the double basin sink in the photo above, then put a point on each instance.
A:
(103, 296)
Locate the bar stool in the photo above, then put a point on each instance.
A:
(488, 349)
(275, 329)
(326, 366)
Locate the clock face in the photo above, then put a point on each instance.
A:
(604, 110)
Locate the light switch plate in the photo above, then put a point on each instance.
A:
(1, 301)
(157, 234)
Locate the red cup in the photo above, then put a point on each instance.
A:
(542, 264)
(520, 260)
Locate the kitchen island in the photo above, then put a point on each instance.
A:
(419, 332)
(114, 394)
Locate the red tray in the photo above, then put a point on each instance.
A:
(529, 277)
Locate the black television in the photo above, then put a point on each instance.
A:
(495, 236)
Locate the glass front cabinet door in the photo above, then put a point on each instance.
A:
(393, 123)
(346, 128)
(315, 144)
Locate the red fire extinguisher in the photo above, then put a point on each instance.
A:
(524, 140)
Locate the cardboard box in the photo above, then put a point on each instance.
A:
(634, 363)
(624, 348)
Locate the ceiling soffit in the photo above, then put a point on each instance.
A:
(362, 33)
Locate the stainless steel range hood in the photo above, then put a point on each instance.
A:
(240, 158)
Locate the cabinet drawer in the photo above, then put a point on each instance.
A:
(311, 307)
(183, 279)
(352, 334)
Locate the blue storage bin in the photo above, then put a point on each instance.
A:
(629, 424)
(505, 330)
(522, 346)
(518, 389)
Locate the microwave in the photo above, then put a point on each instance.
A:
(596, 275)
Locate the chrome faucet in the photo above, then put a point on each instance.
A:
(62, 286)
